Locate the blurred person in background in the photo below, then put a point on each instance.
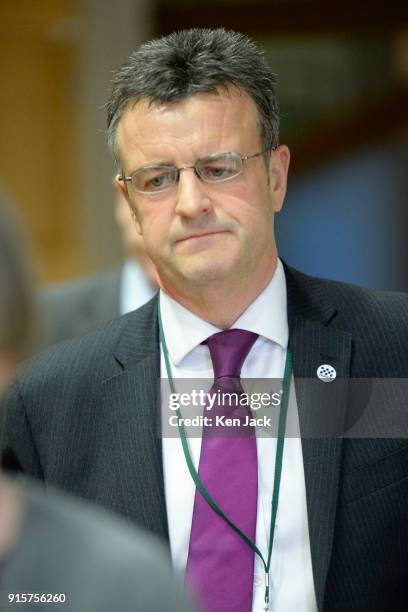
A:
(71, 308)
(56, 553)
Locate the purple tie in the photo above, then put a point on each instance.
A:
(220, 566)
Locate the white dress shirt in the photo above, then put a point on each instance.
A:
(291, 577)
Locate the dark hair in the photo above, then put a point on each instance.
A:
(16, 289)
(174, 67)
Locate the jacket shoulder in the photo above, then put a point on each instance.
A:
(354, 305)
(91, 357)
(363, 306)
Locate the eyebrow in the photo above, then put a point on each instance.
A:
(168, 163)
(153, 165)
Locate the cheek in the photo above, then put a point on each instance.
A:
(246, 197)
(155, 229)
(249, 210)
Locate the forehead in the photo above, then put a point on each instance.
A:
(181, 132)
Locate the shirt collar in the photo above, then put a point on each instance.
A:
(265, 316)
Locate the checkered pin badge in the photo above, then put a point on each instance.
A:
(326, 373)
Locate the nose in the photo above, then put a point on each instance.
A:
(192, 197)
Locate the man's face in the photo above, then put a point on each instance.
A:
(199, 233)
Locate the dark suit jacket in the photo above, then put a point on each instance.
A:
(68, 310)
(83, 416)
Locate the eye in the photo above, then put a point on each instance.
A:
(158, 181)
(216, 172)
(150, 180)
(218, 169)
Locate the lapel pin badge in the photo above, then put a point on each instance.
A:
(326, 373)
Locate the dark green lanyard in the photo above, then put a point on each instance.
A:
(278, 459)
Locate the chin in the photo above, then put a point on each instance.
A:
(206, 273)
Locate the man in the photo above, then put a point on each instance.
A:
(56, 552)
(72, 308)
(193, 124)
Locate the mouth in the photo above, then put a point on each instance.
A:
(199, 235)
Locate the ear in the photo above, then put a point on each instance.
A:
(123, 198)
(278, 175)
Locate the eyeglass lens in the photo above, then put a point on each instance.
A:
(214, 169)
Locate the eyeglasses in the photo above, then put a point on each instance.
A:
(216, 168)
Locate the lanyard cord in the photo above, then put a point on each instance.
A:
(278, 458)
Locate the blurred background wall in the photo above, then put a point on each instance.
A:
(343, 85)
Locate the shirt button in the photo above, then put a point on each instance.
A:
(257, 580)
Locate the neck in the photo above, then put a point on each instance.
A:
(221, 303)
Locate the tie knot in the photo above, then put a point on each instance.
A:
(228, 350)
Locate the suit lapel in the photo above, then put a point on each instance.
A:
(135, 421)
(314, 342)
